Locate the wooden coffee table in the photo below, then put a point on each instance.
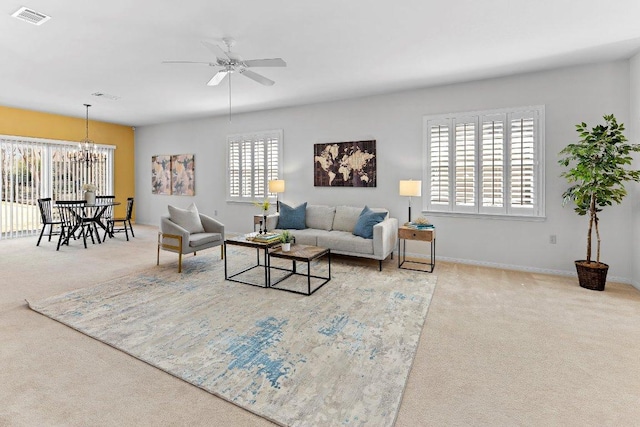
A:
(302, 253)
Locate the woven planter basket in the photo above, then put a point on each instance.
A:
(592, 275)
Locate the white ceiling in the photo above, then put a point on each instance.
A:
(334, 49)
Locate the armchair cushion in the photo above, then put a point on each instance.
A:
(187, 218)
(199, 239)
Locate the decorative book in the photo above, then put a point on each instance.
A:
(266, 238)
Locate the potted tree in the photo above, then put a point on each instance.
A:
(597, 174)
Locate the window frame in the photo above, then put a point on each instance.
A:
(537, 211)
(268, 172)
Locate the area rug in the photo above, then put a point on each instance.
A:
(338, 357)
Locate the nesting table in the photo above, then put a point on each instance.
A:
(300, 253)
(266, 251)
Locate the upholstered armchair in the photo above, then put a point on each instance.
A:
(187, 231)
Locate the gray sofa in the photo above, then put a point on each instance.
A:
(332, 227)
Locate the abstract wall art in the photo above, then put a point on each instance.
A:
(160, 174)
(183, 175)
(173, 174)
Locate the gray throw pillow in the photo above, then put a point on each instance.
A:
(189, 219)
(346, 218)
(320, 217)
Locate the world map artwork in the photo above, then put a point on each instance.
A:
(345, 164)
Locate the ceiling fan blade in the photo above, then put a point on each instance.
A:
(219, 77)
(257, 77)
(217, 50)
(188, 62)
(271, 62)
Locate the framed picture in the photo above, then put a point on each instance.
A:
(161, 175)
(345, 164)
(183, 175)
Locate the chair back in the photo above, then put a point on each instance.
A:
(71, 211)
(129, 208)
(45, 210)
(108, 211)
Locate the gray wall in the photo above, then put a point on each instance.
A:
(634, 190)
(570, 96)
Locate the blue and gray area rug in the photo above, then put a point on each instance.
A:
(339, 357)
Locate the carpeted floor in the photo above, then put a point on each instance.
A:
(499, 348)
(338, 357)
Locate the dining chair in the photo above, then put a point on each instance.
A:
(107, 213)
(48, 222)
(126, 222)
(74, 219)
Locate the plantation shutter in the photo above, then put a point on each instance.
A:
(493, 163)
(259, 166)
(465, 163)
(234, 169)
(438, 164)
(246, 165)
(252, 160)
(522, 161)
(273, 160)
(485, 162)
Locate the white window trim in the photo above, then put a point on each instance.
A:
(278, 133)
(508, 212)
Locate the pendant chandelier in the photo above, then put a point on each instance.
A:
(87, 151)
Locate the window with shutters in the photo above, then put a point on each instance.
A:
(486, 162)
(253, 159)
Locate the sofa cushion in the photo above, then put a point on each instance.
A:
(292, 218)
(346, 218)
(187, 218)
(308, 236)
(320, 217)
(366, 221)
(345, 241)
(200, 239)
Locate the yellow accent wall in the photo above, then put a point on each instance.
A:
(34, 124)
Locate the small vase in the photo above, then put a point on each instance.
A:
(286, 247)
(90, 197)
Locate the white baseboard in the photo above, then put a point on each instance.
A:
(568, 273)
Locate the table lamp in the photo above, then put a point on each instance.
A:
(410, 188)
(276, 186)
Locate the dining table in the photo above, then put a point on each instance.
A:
(84, 213)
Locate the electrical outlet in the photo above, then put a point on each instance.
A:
(552, 239)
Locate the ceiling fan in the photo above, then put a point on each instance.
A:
(231, 62)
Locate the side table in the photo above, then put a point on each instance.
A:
(424, 235)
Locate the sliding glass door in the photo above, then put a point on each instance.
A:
(33, 168)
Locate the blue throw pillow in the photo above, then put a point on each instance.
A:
(366, 221)
(292, 218)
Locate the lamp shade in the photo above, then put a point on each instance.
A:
(276, 186)
(411, 188)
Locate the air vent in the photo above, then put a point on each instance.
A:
(31, 16)
(106, 95)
